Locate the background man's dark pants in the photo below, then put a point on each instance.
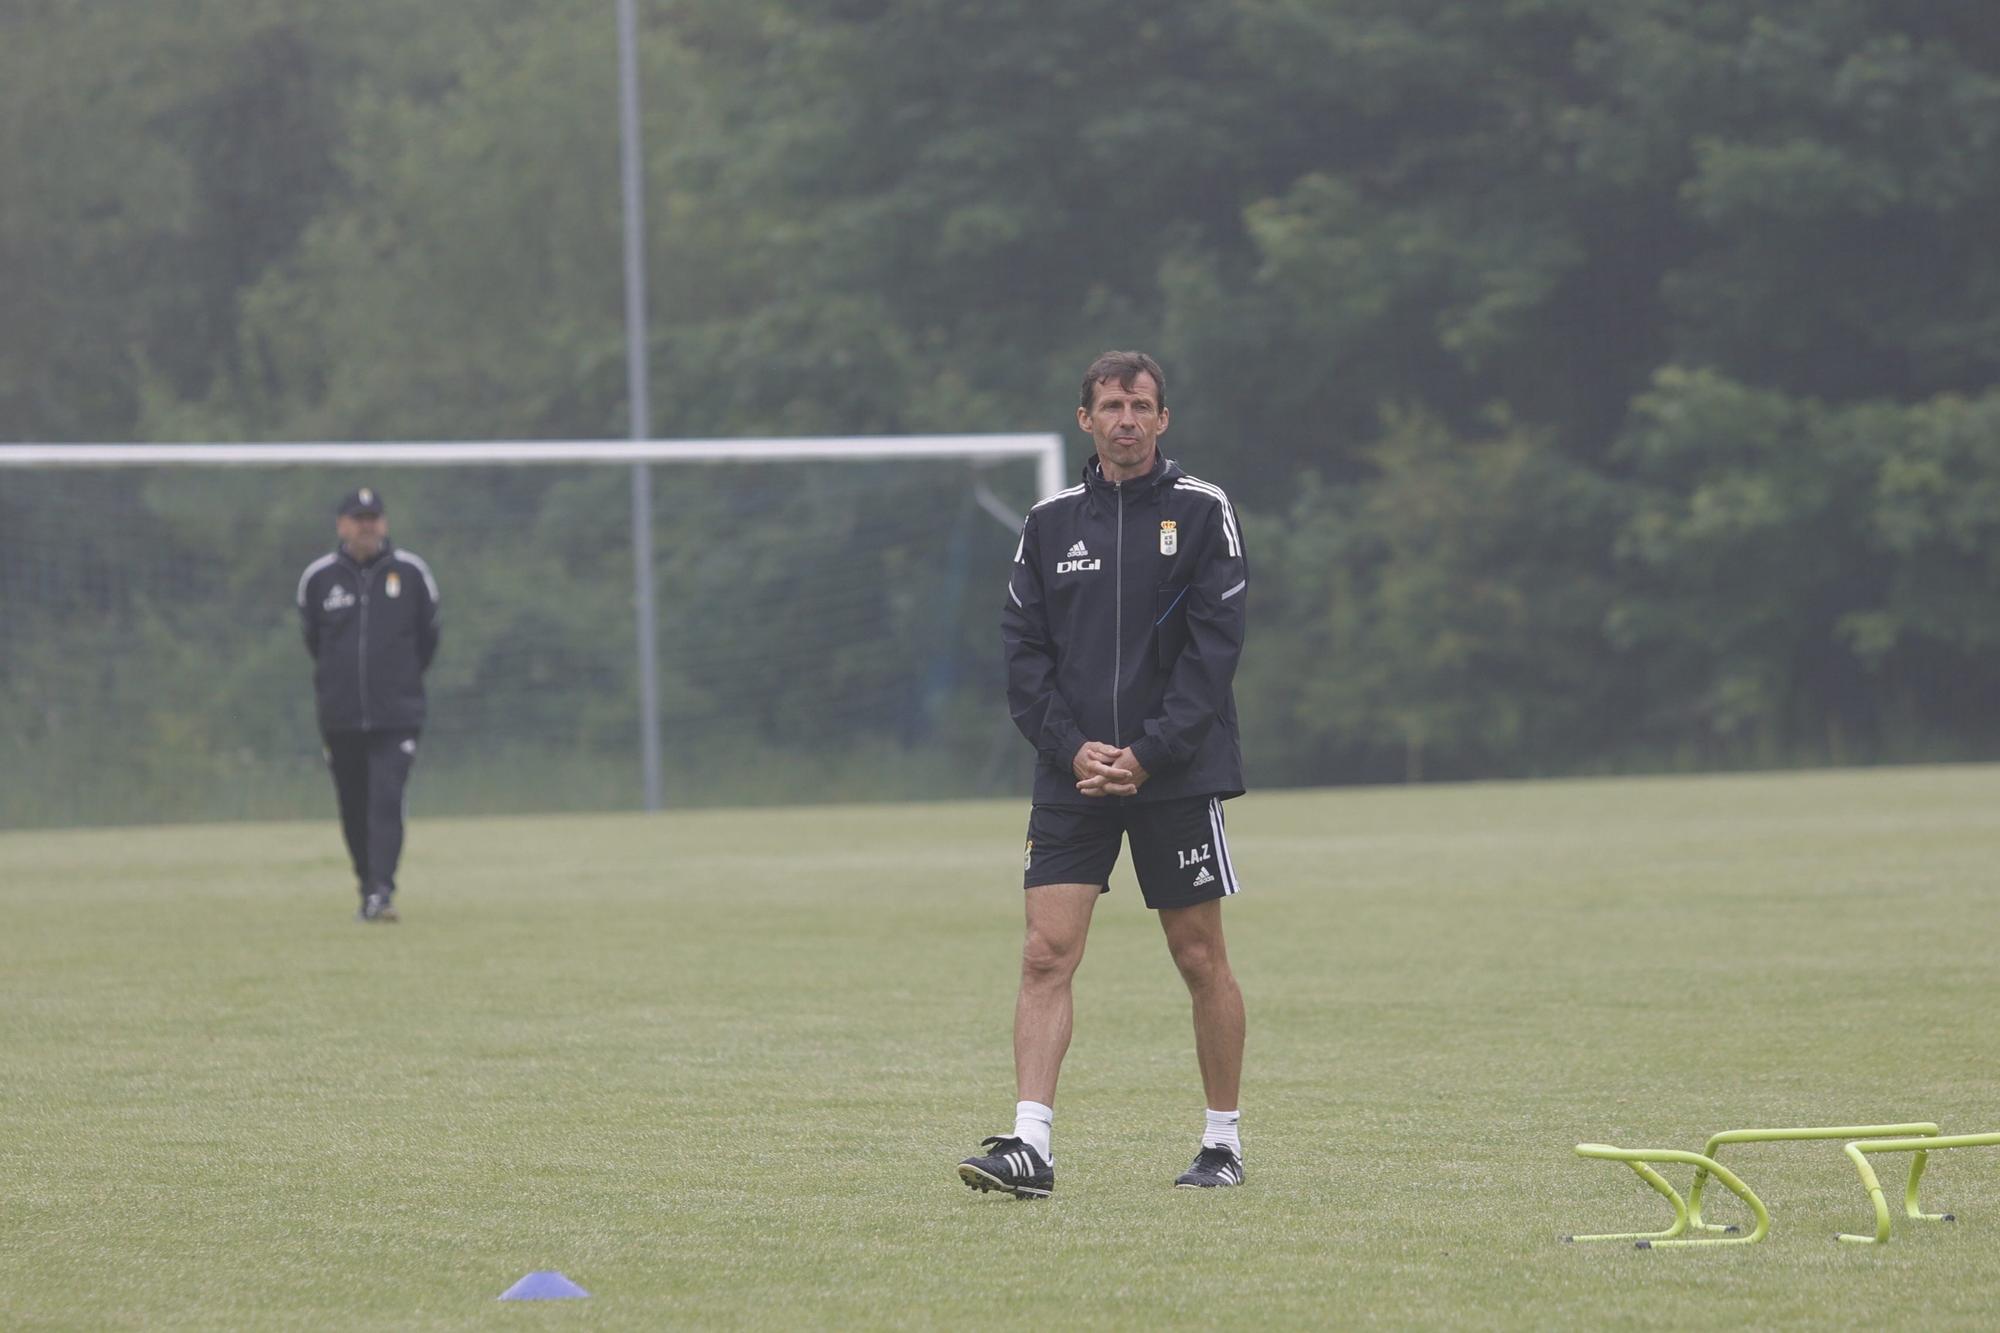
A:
(369, 771)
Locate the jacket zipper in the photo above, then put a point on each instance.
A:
(367, 579)
(1118, 617)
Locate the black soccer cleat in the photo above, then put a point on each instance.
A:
(379, 907)
(1012, 1166)
(1212, 1167)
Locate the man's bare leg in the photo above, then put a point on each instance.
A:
(1058, 921)
(1194, 936)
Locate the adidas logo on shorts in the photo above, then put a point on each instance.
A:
(1203, 878)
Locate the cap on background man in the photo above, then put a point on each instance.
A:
(363, 500)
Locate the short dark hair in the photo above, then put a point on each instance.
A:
(1123, 367)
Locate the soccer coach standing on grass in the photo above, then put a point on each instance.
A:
(1123, 624)
(370, 616)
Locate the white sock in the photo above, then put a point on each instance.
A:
(1033, 1123)
(1221, 1131)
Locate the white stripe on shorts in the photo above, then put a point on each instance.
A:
(1222, 861)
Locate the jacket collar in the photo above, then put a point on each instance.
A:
(388, 549)
(1164, 470)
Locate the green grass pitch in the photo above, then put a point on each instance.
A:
(718, 1067)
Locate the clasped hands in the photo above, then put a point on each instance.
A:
(1106, 770)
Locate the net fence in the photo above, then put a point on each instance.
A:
(826, 632)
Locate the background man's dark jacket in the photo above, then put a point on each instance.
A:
(371, 631)
(1123, 623)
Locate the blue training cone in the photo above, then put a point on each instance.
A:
(549, 1286)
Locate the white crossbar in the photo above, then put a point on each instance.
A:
(1047, 449)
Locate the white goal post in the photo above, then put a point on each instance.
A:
(1045, 451)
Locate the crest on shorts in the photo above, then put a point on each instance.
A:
(1170, 536)
(393, 585)
(1028, 857)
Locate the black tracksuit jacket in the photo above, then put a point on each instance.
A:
(371, 631)
(1123, 623)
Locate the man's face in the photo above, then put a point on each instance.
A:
(361, 534)
(1126, 424)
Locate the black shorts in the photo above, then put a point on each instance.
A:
(1178, 848)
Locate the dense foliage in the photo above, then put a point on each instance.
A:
(1606, 384)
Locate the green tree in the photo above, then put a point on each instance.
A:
(1445, 620)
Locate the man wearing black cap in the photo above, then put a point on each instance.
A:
(370, 615)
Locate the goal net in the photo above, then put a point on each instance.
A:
(825, 622)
